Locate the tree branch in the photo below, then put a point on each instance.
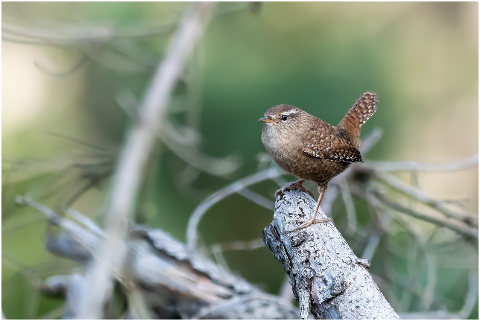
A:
(132, 160)
(466, 231)
(160, 280)
(327, 278)
(456, 165)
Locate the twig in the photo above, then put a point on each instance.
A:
(433, 315)
(182, 143)
(85, 221)
(235, 187)
(84, 59)
(88, 242)
(330, 196)
(463, 230)
(471, 297)
(285, 292)
(238, 246)
(201, 161)
(350, 207)
(78, 36)
(458, 165)
(133, 158)
(235, 303)
(418, 195)
(257, 198)
(370, 140)
(429, 292)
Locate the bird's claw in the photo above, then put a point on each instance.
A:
(297, 185)
(308, 223)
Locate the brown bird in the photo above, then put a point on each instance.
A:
(311, 149)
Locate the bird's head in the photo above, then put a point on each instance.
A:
(282, 119)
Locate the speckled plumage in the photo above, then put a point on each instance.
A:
(310, 148)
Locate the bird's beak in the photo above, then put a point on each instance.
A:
(266, 119)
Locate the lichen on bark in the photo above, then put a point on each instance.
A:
(327, 278)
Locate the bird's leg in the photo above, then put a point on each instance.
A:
(314, 220)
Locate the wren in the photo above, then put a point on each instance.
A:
(312, 149)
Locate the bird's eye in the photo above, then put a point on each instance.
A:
(284, 117)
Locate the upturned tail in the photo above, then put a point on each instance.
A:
(361, 111)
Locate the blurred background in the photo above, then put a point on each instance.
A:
(68, 90)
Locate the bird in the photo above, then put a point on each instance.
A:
(312, 149)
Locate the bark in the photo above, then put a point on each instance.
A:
(161, 279)
(327, 278)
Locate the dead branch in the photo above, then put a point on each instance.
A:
(463, 230)
(421, 197)
(132, 160)
(457, 165)
(235, 187)
(327, 278)
(160, 279)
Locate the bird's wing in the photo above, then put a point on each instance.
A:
(330, 145)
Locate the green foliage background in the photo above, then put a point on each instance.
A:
(421, 59)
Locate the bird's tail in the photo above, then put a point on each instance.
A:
(361, 111)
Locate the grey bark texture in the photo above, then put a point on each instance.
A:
(327, 278)
(161, 278)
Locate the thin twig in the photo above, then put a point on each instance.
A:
(78, 233)
(56, 73)
(85, 221)
(238, 246)
(183, 143)
(458, 165)
(350, 207)
(132, 160)
(235, 187)
(235, 300)
(285, 293)
(471, 297)
(462, 229)
(370, 140)
(428, 294)
(257, 198)
(78, 36)
(418, 195)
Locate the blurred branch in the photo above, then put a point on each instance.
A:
(466, 231)
(160, 278)
(237, 246)
(418, 195)
(235, 187)
(183, 143)
(472, 296)
(349, 206)
(83, 60)
(461, 164)
(72, 36)
(133, 157)
(199, 160)
(62, 245)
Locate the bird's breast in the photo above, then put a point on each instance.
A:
(282, 147)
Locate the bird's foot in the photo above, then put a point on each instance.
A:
(308, 223)
(298, 184)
